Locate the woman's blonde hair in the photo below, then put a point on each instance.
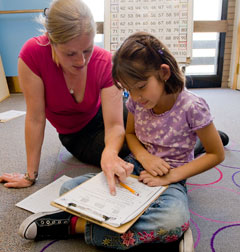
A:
(66, 20)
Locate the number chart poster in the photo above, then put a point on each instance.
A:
(169, 20)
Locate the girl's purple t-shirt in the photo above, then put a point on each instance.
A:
(61, 109)
(171, 135)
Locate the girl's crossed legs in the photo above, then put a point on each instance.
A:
(164, 221)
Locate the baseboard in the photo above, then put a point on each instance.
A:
(13, 84)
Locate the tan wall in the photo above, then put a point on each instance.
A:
(228, 44)
(235, 48)
(224, 26)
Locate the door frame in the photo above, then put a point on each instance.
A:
(211, 81)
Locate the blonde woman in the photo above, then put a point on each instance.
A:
(67, 80)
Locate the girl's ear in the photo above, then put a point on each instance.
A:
(165, 72)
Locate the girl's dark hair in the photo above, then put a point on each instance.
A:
(141, 56)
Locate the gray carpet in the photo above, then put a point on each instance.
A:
(213, 195)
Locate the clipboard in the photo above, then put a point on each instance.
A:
(121, 229)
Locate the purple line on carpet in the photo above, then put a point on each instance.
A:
(227, 149)
(48, 245)
(210, 219)
(234, 179)
(62, 172)
(228, 166)
(219, 230)
(198, 232)
(214, 182)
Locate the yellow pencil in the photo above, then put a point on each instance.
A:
(128, 188)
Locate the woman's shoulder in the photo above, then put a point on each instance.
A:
(36, 54)
(34, 44)
(100, 54)
(37, 41)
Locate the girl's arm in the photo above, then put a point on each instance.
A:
(153, 164)
(112, 165)
(214, 155)
(33, 89)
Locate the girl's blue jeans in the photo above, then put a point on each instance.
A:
(166, 219)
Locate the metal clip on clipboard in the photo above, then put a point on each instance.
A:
(87, 212)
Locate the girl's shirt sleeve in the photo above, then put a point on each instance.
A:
(199, 115)
(131, 105)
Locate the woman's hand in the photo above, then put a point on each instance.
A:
(156, 166)
(151, 180)
(15, 180)
(114, 169)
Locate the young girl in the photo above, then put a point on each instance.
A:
(163, 123)
(164, 118)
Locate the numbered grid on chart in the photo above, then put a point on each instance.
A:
(165, 19)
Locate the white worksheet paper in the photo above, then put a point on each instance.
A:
(93, 199)
(40, 201)
(10, 114)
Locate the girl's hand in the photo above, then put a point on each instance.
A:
(156, 166)
(151, 180)
(115, 169)
(15, 180)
